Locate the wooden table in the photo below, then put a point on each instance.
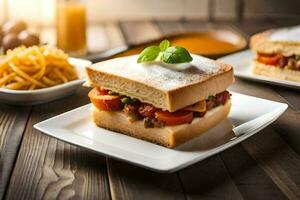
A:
(266, 166)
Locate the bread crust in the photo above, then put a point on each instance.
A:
(162, 87)
(261, 43)
(168, 136)
(275, 72)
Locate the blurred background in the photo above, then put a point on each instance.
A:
(43, 11)
(105, 17)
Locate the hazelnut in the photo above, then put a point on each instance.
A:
(10, 41)
(28, 39)
(13, 27)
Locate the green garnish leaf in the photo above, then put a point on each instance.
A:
(163, 45)
(297, 57)
(149, 54)
(176, 54)
(128, 100)
(210, 97)
(165, 53)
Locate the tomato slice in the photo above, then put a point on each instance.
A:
(103, 101)
(100, 91)
(269, 59)
(175, 118)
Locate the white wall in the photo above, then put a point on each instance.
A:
(25, 9)
(113, 10)
(35, 11)
(2, 11)
(134, 9)
(100, 10)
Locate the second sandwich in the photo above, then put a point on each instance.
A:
(277, 53)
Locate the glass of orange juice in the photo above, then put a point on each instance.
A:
(71, 26)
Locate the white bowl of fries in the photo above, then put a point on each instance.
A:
(37, 75)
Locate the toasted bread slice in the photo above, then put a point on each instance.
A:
(160, 85)
(275, 72)
(168, 136)
(285, 41)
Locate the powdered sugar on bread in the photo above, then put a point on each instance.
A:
(286, 34)
(285, 41)
(162, 86)
(159, 76)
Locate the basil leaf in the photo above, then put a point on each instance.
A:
(174, 55)
(210, 97)
(163, 45)
(297, 57)
(149, 54)
(128, 100)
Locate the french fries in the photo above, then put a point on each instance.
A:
(35, 68)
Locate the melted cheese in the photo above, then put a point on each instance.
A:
(197, 107)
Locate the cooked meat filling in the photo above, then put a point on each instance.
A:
(278, 60)
(152, 116)
(153, 122)
(147, 112)
(132, 111)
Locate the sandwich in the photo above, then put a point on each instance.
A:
(164, 95)
(277, 53)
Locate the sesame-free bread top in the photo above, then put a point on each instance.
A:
(275, 72)
(168, 136)
(159, 85)
(285, 41)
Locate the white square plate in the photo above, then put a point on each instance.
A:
(76, 127)
(32, 97)
(241, 63)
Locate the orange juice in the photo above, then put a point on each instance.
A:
(71, 26)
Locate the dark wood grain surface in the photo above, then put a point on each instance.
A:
(51, 169)
(266, 166)
(12, 124)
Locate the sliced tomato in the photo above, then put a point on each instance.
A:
(104, 101)
(174, 118)
(272, 59)
(101, 91)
